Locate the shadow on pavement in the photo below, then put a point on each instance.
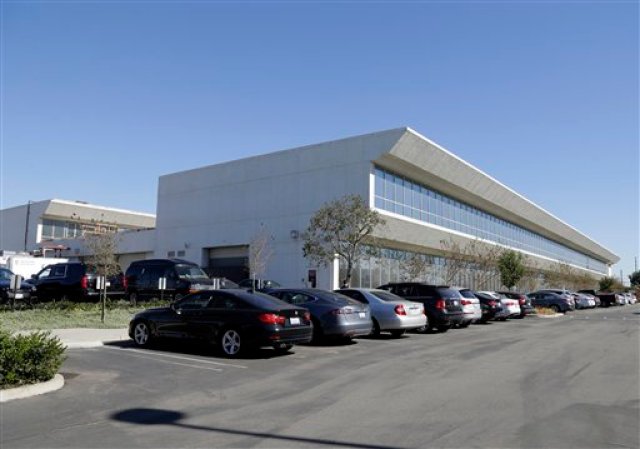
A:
(148, 416)
(198, 348)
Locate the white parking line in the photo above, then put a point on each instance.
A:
(172, 356)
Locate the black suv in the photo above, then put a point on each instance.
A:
(75, 281)
(441, 304)
(182, 277)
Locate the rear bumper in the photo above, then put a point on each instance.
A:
(348, 329)
(403, 322)
(285, 336)
(446, 319)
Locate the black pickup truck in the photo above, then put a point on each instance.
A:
(607, 299)
(74, 281)
(442, 304)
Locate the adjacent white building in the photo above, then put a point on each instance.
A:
(427, 195)
(53, 227)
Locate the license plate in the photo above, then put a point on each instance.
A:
(362, 314)
(19, 296)
(294, 320)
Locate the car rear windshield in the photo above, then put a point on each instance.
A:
(386, 296)
(447, 292)
(190, 272)
(336, 298)
(467, 293)
(262, 300)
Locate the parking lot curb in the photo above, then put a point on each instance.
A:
(556, 315)
(83, 344)
(27, 391)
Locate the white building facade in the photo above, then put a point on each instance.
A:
(426, 194)
(55, 227)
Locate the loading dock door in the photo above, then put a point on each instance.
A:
(231, 262)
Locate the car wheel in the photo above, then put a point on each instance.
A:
(464, 324)
(142, 334)
(375, 330)
(555, 308)
(397, 333)
(231, 343)
(443, 328)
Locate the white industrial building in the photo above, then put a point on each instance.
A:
(210, 215)
(426, 194)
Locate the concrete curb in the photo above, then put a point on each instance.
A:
(557, 315)
(83, 344)
(27, 391)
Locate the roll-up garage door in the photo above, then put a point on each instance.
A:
(231, 262)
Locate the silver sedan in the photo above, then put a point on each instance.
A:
(389, 313)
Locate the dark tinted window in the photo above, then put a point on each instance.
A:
(334, 297)
(467, 293)
(354, 294)
(194, 302)
(58, 271)
(5, 274)
(185, 271)
(385, 296)
(228, 303)
(447, 292)
(259, 300)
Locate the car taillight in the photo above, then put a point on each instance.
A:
(465, 302)
(307, 316)
(84, 282)
(522, 300)
(399, 309)
(338, 312)
(271, 318)
(440, 304)
(125, 283)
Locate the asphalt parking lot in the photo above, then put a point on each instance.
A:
(570, 382)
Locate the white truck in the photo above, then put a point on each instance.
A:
(26, 265)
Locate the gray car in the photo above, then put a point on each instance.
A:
(332, 314)
(389, 312)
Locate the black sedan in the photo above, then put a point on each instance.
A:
(234, 320)
(490, 306)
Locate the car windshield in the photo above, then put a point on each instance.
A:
(385, 295)
(190, 272)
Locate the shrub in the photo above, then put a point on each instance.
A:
(27, 359)
(545, 311)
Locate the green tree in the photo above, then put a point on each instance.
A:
(511, 267)
(608, 284)
(635, 278)
(341, 227)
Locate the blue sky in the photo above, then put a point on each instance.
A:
(101, 98)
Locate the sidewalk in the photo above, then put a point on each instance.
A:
(89, 338)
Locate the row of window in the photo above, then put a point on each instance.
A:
(399, 195)
(62, 229)
(392, 265)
